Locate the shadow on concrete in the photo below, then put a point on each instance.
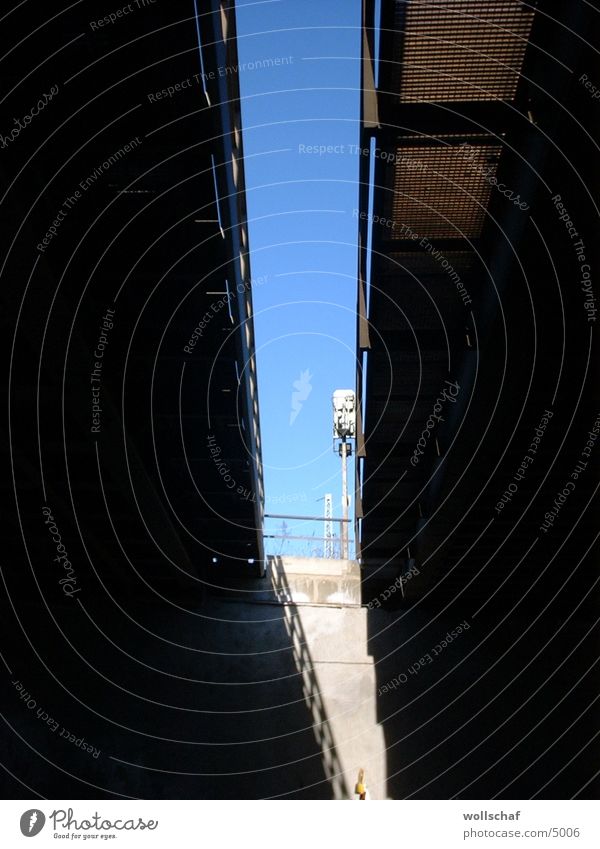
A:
(215, 701)
(310, 685)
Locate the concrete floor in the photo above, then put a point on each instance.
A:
(242, 697)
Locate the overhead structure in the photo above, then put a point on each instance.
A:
(462, 158)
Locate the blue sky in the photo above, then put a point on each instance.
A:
(302, 235)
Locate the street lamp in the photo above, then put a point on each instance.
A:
(344, 429)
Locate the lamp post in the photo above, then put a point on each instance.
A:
(344, 429)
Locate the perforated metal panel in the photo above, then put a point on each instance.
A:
(459, 50)
(443, 190)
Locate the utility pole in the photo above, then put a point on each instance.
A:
(344, 428)
(328, 525)
(344, 447)
(328, 513)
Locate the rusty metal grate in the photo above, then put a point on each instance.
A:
(442, 191)
(459, 50)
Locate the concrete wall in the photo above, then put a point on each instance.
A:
(343, 677)
(317, 580)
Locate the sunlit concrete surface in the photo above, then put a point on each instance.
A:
(317, 580)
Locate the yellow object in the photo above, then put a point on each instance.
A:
(360, 788)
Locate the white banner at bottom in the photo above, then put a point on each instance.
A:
(414, 824)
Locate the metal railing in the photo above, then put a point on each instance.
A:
(329, 546)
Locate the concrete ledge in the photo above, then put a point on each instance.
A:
(315, 580)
